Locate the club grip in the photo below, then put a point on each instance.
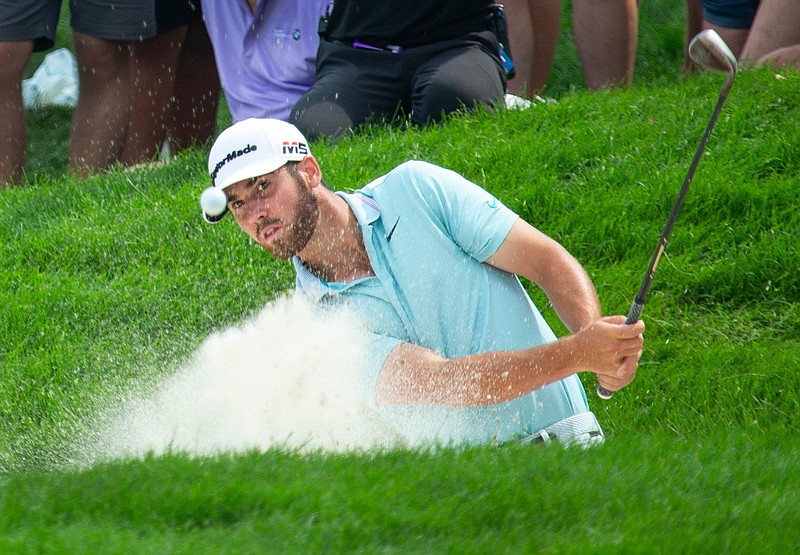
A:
(632, 318)
(634, 312)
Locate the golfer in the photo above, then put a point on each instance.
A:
(430, 262)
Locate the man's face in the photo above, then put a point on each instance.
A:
(278, 210)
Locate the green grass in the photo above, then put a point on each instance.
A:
(711, 496)
(112, 283)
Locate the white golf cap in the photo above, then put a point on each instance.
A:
(253, 147)
(246, 149)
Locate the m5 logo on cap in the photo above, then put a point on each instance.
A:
(294, 147)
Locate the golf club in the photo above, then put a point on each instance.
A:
(709, 51)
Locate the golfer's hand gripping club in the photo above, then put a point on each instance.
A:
(633, 317)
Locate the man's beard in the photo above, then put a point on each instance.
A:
(298, 232)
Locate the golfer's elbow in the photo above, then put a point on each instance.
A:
(413, 375)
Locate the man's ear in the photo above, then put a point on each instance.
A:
(310, 168)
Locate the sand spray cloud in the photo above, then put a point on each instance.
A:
(290, 377)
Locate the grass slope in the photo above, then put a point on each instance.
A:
(718, 495)
(113, 281)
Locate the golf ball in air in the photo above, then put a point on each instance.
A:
(213, 201)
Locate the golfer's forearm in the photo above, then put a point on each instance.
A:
(414, 375)
(506, 375)
(573, 297)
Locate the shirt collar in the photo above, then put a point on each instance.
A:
(366, 211)
(363, 206)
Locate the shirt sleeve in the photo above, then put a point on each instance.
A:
(472, 217)
(378, 348)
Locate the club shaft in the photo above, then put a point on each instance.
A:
(641, 297)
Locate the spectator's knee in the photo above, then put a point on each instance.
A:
(440, 98)
(321, 118)
(101, 59)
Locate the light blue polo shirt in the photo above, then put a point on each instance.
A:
(427, 231)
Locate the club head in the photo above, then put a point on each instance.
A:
(709, 51)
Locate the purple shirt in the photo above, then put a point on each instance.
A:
(266, 60)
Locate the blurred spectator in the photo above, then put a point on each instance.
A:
(193, 118)
(175, 84)
(106, 84)
(694, 24)
(266, 52)
(154, 64)
(388, 60)
(605, 37)
(102, 37)
(534, 27)
(732, 19)
(757, 32)
(14, 56)
(775, 35)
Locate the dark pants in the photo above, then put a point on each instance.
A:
(355, 85)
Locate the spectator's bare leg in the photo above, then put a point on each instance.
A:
(520, 34)
(776, 26)
(694, 24)
(100, 119)
(734, 38)
(546, 17)
(606, 38)
(153, 67)
(782, 57)
(194, 112)
(14, 56)
(534, 26)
